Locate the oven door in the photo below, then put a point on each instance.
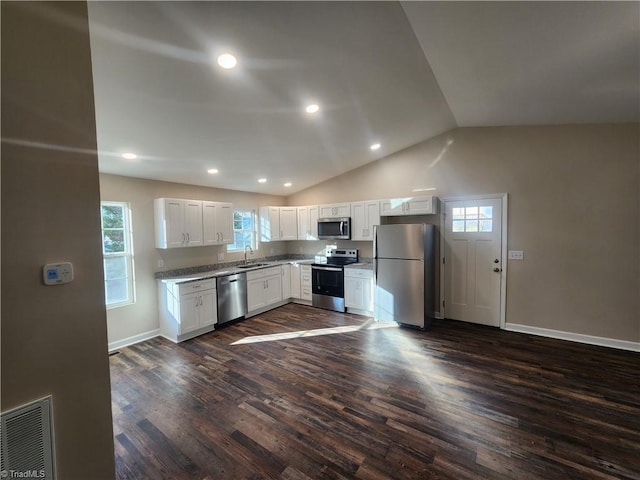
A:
(327, 281)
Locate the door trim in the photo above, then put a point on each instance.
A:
(504, 197)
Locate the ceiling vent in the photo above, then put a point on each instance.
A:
(27, 441)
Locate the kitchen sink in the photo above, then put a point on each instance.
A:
(252, 265)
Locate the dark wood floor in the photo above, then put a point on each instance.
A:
(457, 402)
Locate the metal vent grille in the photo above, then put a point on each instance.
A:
(27, 442)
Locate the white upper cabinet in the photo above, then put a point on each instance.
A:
(308, 222)
(288, 223)
(269, 224)
(364, 215)
(178, 223)
(217, 223)
(278, 223)
(192, 223)
(334, 210)
(426, 205)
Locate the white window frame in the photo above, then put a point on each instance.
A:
(254, 231)
(127, 254)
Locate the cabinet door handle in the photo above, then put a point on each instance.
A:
(183, 238)
(188, 238)
(196, 301)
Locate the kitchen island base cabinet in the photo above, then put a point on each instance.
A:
(187, 309)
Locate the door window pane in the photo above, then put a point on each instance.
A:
(458, 226)
(474, 219)
(471, 226)
(486, 225)
(471, 212)
(458, 213)
(486, 212)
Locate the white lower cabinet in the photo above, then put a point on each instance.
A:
(187, 309)
(286, 281)
(358, 290)
(295, 280)
(305, 282)
(264, 288)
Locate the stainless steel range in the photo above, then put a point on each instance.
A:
(327, 279)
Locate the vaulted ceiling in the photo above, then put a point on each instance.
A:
(381, 72)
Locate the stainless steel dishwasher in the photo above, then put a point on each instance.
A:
(232, 297)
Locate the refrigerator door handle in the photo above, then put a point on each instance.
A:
(375, 241)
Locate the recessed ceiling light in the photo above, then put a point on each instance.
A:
(129, 156)
(288, 184)
(262, 180)
(375, 146)
(313, 108)
(212, 170)
(226, 60)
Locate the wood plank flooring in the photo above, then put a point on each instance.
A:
(300, 393)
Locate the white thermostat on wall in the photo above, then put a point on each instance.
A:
(57, 273)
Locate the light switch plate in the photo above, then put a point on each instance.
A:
(516, 255)
(220, 256)
(57, 273)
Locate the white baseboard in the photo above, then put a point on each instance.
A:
(574, 337)
(141, 337)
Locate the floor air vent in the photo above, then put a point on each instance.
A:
(27, 441)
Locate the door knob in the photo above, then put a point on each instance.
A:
(496, 261)
(497, 270)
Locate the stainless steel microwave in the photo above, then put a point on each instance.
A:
(334, 228)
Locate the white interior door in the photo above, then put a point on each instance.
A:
(473, 260)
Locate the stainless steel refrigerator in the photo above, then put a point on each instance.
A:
(404, 269)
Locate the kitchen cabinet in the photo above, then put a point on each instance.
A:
(305, 282)
(308, 222)
(278, 223)
(178, 223)
(364, 215)
(426, 205)
(217, 223)
(187, 309)
(269, 224)
(286, 281)
(295, 280)
(358, 290)
(288, 223)
(334, 210)
(264, 287)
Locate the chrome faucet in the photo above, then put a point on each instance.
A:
(245, 252)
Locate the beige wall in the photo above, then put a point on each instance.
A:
(573, 208)
(142, 317)
(54, 338)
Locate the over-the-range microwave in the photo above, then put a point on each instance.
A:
(334, 228)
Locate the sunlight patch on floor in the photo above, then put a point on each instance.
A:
(368, 325)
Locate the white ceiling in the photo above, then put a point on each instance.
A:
(381, 72)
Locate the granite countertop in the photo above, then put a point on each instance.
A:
(360, 266)
(192, 274)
